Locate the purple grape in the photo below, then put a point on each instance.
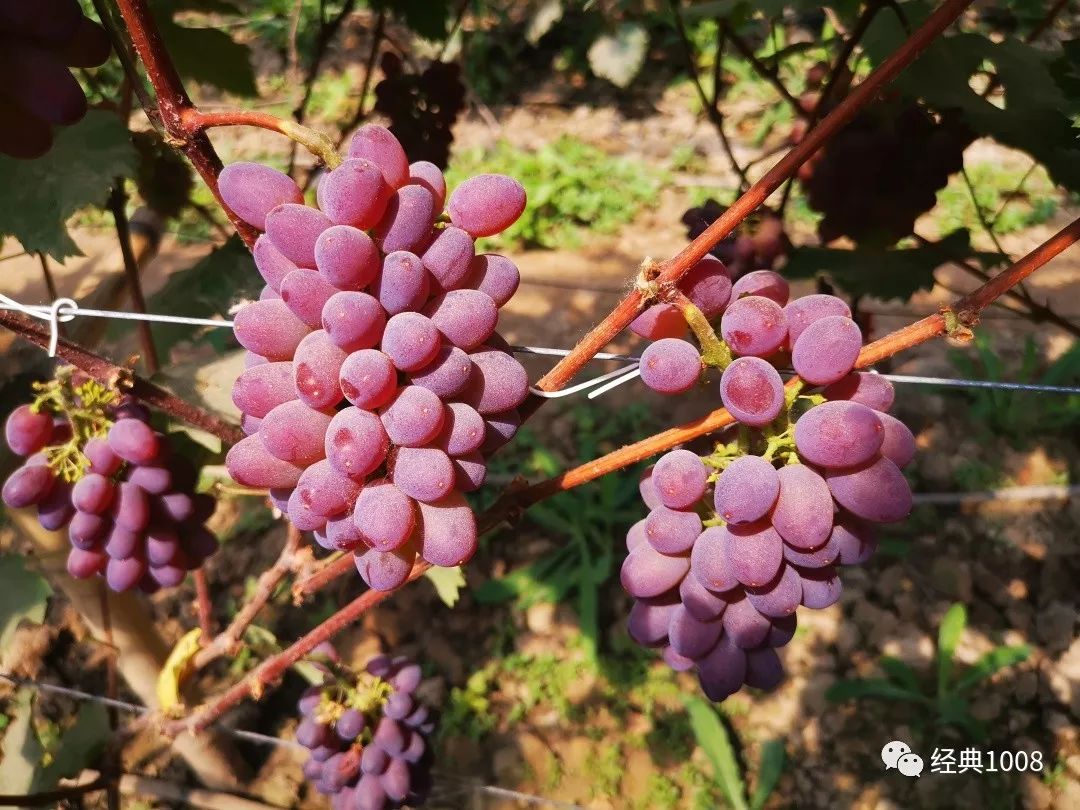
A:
(699, 601)
(396, 780)
(466, 318)
(341, 533)
(752, 391)
(499, 428)
(763, 283)
(306, 293)
(819, 557)
(87, 531)
(349, 725)
(408, 676)
(271, 262)
(325, 491)
(898, 445)
(447, 531)
(839, 434)
(670, 531)
(777, 598)
(403, 283)
(470, 472)
(448, 257)
(670, 366)
(423, 473)
(134, 441)
(494, 275)
(55, 510)
(399, 706)
(875, 491)
(647, 573)
(301, 515)
(781, 631)
(691, 637)
(354, 194)
(660, 321)
(384, 516)
(378, 145)
(744, 626)
(269, 329)
(385, 570)
(871, 390)
(497, 382)
(374, 760)
(804, 311)
(316, 368)
(347, 257)
(710, 561)
(410, 340)
(679, 663)
(486, 204)
(755, 552)
(803, 514)
(462, 431)
(754, 326)
(746, 490)
(648, 623)
(763, 669)
(294, 230)
(647, 489)
(252, 190)
(680, 478)
(407, 221)
(826, 350)
(177, 506)
(356, 443)
(93, 493)
(447, 375)
(708, 286)
(251, 465)
(414, 417)
(162, 546)
(821, 588)
(723, 670)
(124, 574)
(262, 388)
(131, 508)
(101, 457)
(27, 432)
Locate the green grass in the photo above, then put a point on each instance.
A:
(573, 188)
(1034, 204)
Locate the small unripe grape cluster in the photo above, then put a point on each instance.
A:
(754, 246)
(102, 471)
(376, 384)
(736, 541)
(369, 739)
(40, 42)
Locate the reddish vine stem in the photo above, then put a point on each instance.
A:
(226, 642)
(117, 202)
(54, 797)
(198, 121)
(323, 576)
(108, 374)
(676, 267)
(204, 607)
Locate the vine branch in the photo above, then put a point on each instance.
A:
(676, 267)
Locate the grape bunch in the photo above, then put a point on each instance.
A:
(883, 170)
(376, 384)
(369, 737)
(422, 108)
(39, 42)
(758, 247)
(95, 465)
(718, 571)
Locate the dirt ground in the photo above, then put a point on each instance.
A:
(1015, 567)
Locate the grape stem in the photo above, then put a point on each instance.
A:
(196, 121)
(680, 264)
(714, 351)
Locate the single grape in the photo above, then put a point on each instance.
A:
(414, 417)
(466, 318)
(430, 176)
(325, 491)
(497, 382)
(746, 490)
(294, 432)
(821, 588)
(152, 479)
(779, 597)
(803, 514)
(269, 329)
(356, 443)
(368, 379)
(316, 367)
(85, 563)
(294, 230)
(410, 340)
(499, 428)
(353, 320)
(93, 493)
(447, 531)
(87, 531)
(423, 473)
(306, 293)
(647, 573)
(710, 560)
(755, 552)
(670, 531)
(55, 509)
(301, 515)
(680, 478)
(251, 465)
(347, 257)
(699, 601)
(252, 190)
(403, 284)
(723, 670)
(262, 388)
(871, 390)
(447, 375)
(271, 262)
(781, 631)
(486, 204)
(826, 350)
(354, 194)
(823, 555)
(708, 286)
(679, 663)
(407, 221)
(752, 391)
(448, 257)
(385, 570)
(763, 669)
(853, 540)
(839, 434)
(670, 366)
(378, 145)
(342, 534)
(899, 444)
(754, 326)
(131, 507)
(124, 574)
(691, 637)
(462, 431)
(27, 432)
(101, 457)
(134, 441)
(647, 489)
(744, 625)
(875, 491)
(802, 312)
(660, 321)
(764, 283)
(495, 275)
(470, 472)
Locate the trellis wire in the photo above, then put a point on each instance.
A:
(64, 310)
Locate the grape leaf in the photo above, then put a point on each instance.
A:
(207, 55)
(892, 273)
(79, 747)
(448, 583)
(23, 596)
(175, 670)
(619, 56)
(21, 748)
(38, 196)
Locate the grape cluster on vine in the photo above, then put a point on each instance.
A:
(95, 465)
(376, 384)
(756, 246)
(368, 736)
(737, 540)
(40, 42)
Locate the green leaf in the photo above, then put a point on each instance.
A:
(952, 627)
(870, 687)
(900, 673)
(79, 746)
(21, 749)
(448, 583)
(770, 768)
(428, 18)
(997, 659)
(38, 196)
(206, 55)
(618, 57)
(891, 273)
(714, 741)
(24, 595)
(548, 579)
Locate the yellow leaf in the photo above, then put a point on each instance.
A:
(175, 670)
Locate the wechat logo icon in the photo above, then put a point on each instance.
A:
(897, 755)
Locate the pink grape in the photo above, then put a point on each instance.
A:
(301, 516)
(27, 486)
(407, 221)
(414, 417)
(384, 516)
(779, 597)
(763, 283)
(123, 575)
(384, 570)
(680, 478)
(353, 321)
(347, 257)
(820, 588)
(648, 624)
(670, 366)
(325, 491)
(269, 328)
(430, 176)
(746, 490)
(86, 530)
(378, 145)
(660, 321)
(262, 388)
(131, 508)
(497, 382)
(27, 432)
(134, 441)
(85, 563)
(252, 465)
(305, 292)
(354, 194)
(699, 601)
(294, 229)
(499, 428)
(692, 637)
(101, 457)
(853, 540)
(447, 531)
(839, 434)
(466, 318)
(93, 493)
(826, 350)
(495, 275)
(708, 286)
(486, 204)
(755, 552)
(447, 375)
(294, 432)
(710, 561)
(871, 390)
(55, 509)
(403, 284)
(672, 532)
(744, 625)
(470, 472)
(368, 379)
(803, 514)
(752, 391)
(271, 262)
(268, 293)
(252, 190)
(448, 257)
(356, 443)
(647, 489)
(462, 431)
(316, 368)
(343, 535)
(875, 491)
(635, 535)
(802, 312)
(647, 573)
(898, 444)
(754, 326)
(410, 340)
(425, 474)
